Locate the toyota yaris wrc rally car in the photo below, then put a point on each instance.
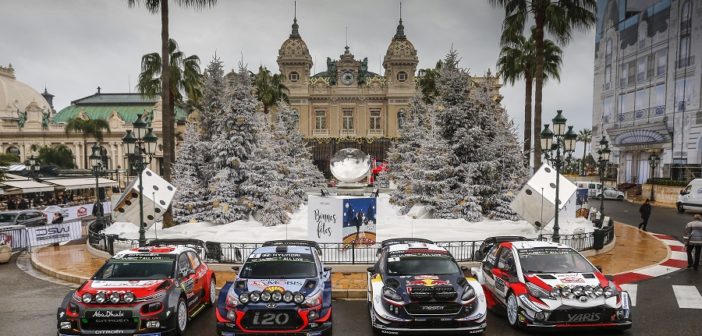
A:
(416, 287)
(282, 288)
(548, 285)
(151, 290)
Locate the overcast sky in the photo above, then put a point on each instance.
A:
(72, 46)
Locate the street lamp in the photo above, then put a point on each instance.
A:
(653, 161)
(603, 160)
(558, 139)
(140, 150)
(33, 166)
(96, 160)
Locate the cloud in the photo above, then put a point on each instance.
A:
(72, 46)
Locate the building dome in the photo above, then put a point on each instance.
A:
(400, 48)
(294, 49)
(15, 95)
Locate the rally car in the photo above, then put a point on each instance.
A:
(151, 290)
(282, 288)
(547, 285)
(416, 287)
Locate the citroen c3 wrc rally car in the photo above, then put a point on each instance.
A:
(548, 285)
(416, 287)
(151, 290)
(282, 288)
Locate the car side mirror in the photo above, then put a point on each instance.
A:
(235, 269)
(464, 268)
(479, 255)
(371, 269)
(599, 268)
(327, 269)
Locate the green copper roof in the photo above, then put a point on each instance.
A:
(101, 105)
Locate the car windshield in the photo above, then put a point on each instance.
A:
(553, 260)
(7, 217)
(137, 267)
(417, 264)
(279, 266)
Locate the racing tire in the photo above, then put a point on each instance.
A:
(212, 299)
(620, 198)
(680, 208)
(513, 312)
(375, 330)
(181, 317)
(330, 332)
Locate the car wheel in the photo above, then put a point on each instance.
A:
(513, 312)
(680, 208)
(213, 293)
(620, 197)
(330, 332)
(181, 317)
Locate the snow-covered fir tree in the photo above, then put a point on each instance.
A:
(213, 92)
(191, 201)
(233, 142)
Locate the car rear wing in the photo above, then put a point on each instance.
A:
(294, 242)
(489, 242)
(396, 241)
(206, 250)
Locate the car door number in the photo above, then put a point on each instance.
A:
(499, 284)
(270, 319)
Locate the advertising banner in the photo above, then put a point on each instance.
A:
(359, 221)
(582, 202)
(73, 212)
(325, 219)
(54, 233)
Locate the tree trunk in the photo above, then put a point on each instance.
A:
(168, 116)
(584, 151)
(85, 152)
(539, 77)
(527, 119)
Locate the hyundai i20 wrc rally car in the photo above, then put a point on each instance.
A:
(548, 285)
(151, 290)
(282, 288)
(416, 287)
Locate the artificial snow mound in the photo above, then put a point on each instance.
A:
(390, 224)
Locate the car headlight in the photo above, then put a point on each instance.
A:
(129, 297)
(266, 296)
(313, 300)
(232, 299)
(100, 298)
(288, 296)
(255, 296)
(578, 291)
(468, 293)
(87, 298)
(391, 294)
(537, 291)
(244, 298)
(276, 296)
(610, 290)
(114, 297)
(298, 298)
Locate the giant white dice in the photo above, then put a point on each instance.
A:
(157, 197)
(536, 202)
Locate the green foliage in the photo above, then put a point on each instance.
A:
(667, 182)
(427, 82)
(7, 158)
(269, 88)
(57, 155)
(89, 127)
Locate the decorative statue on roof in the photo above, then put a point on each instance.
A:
(331, 71)
(363, 74)
(45, 120)
(22, 118)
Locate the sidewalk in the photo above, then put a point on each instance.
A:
(633, 250)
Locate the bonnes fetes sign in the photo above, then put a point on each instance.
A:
(325, 223)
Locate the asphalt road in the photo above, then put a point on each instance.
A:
(28, 305)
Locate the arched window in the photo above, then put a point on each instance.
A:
(400, 118)
(13, 150)
(684, 58)
(685, 11)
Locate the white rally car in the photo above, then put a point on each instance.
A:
(548, 285)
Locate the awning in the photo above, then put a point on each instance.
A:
(24, 187)
(81, 183)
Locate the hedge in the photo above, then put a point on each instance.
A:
(667, 182)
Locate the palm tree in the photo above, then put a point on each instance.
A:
(269, 88)
(558, 18)
(427, 82)
(87, 127)
(584, 136)
(517, 61)
(167, 110)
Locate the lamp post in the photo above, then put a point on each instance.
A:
(140, 145)
(562, 142)
(653, 161)
(33, 166)
(603, 160)
(96, 160)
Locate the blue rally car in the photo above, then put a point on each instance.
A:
(416, 287)
(282, 288)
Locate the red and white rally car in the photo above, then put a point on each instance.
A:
(547, 285)
(151, 290)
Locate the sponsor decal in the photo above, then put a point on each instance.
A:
(125, 284)
(427, 282)
(108, 314)
(271, 305)
(432, 308)
(570, 278)
(583, 317)
(499, 284)
(421, 277)
(273, 289)
(265, 283)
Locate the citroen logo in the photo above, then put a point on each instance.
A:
(271, 305)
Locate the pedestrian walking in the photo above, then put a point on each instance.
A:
(693, 241)
(645, 211)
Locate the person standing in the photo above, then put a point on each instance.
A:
(645, 211)
(692, 237)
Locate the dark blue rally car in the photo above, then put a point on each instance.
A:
(282, 288)
(416, 287)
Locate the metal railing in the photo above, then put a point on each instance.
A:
(15, 236)
(337, 253)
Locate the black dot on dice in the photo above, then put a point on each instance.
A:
(148, 173)
(169, 188)
(553, 185)
(150, 217)
(162, 202)
(121, 210)
(157, 210)
(156, 188)
(547, 169)
(128, 202)
(528, 191)
(135, 195)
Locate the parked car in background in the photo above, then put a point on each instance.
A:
(28, 218)
(610, 193)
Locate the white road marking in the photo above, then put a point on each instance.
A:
(688, 297)
(657, 270)
(672, 242)
(632, 290)
(678, 255)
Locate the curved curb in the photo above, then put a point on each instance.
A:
(675, 260)
(39, 266)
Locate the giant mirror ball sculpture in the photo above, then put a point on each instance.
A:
(350, 165)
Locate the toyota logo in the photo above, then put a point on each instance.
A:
(271, 305)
